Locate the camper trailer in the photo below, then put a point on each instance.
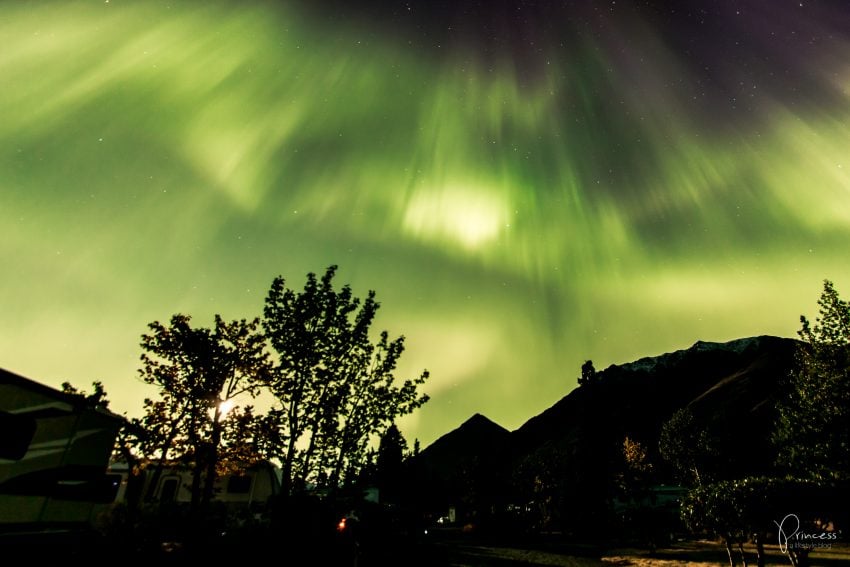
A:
(251, 489)
(54, 450)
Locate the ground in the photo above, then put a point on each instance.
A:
(689, 554)
(453, 549)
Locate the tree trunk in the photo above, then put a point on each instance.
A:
(304, 470)
(333, 481)
(212, 460)
(133, 492)
(799, 557)
(743, 554)
(759, 541)
(157, 472)
(336, 475)
(286, 481)
(288, 463)
(729, 552)
(197, 471)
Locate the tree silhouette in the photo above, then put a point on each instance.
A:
(636, 476)
(335, 389)
(391, 453)
(588, 373)
(197, 371)
(97, 399)
(811, 438)
(688, 447)
(813, 430)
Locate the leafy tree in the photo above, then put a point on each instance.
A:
(688, 447)
(180, 357)
(335, 388)
(240, 441)
(588, 373)
(97, 399)
(540, 482)
(716, 509)
(241, 367)
(636, 476)
(813, 430)
(391, 453)
(197, 371)
(637, 502)
(751, 508)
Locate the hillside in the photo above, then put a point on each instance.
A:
(575, 445)
(477, 438)
(733, 382)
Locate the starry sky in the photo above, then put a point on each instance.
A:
(526, 185)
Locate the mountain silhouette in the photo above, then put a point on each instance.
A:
(730, 388)
(730, 385)
(476, 438)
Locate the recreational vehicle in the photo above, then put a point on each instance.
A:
(54, 450)
(251, 489)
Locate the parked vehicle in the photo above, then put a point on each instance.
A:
(251, 488)
(54, 450)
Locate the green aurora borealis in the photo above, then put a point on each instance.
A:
(518, 208)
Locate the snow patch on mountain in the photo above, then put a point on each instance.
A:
(651, 363)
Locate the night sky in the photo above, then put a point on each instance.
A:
(526, 185)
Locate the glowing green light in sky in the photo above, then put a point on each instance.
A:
(156, 159)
